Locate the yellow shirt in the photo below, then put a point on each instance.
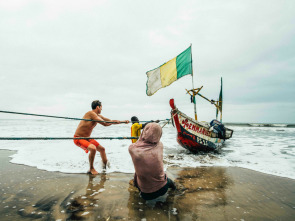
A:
(135, 131)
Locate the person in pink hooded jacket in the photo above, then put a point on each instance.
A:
(147, 157)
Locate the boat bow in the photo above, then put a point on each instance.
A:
(194, 135)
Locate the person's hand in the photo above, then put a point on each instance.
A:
(126, 121)
(156, 121)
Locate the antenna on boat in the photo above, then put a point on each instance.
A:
(217, 104)
(194, 100)
(193, 92)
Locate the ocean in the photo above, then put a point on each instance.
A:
(267, 148)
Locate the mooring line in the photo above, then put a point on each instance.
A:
(169, 119)
(41, 115)
(68, 118)
(66, 138)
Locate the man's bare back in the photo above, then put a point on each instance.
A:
(85, 128)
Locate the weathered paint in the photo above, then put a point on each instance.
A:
(192, 127)
(193, 136)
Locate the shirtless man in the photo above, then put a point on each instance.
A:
(85, 129)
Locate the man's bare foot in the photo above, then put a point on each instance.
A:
(106, 165)
(92, 171)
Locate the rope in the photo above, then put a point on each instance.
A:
(169, 119)
(41, 115)
(68, 118)
(65, 138)
(166, 122)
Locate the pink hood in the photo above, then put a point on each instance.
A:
(147, 157)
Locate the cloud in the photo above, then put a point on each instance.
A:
(61, 55)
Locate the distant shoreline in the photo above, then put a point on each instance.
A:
(245, 124)
(289, 125)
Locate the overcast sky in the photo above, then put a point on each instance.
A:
(56, 57)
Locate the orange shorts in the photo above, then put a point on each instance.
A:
(84, 144)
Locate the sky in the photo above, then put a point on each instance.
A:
(56, 57)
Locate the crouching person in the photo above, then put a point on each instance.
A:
(147, 157)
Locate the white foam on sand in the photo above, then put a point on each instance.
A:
(264, 149)
(64, 156)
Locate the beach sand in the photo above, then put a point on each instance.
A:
(206, 193)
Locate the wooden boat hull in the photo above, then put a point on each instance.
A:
(193, 135)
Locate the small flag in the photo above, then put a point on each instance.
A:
(219, 102)
(169, 72)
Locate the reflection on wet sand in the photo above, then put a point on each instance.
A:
(105, 199)
(204, 188)
(57, 200)
(196, 188)
(208, 193)
(83, 205)
(110, 196)
(139, 209)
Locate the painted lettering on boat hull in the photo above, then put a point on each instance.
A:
(193, 128)
(197, 142)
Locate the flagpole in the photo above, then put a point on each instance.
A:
(195, 107)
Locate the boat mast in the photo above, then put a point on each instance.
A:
(194, 95)
(217, 104)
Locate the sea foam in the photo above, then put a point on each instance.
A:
(269, 150)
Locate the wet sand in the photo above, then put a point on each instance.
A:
(206, 193)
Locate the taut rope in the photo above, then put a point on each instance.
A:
(65, 138)
(68, 118)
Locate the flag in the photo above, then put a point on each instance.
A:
(169, 72)
(219, 102)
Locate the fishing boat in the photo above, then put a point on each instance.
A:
(192, 134)
(200, 136)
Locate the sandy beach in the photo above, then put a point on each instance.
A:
(205, 193)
